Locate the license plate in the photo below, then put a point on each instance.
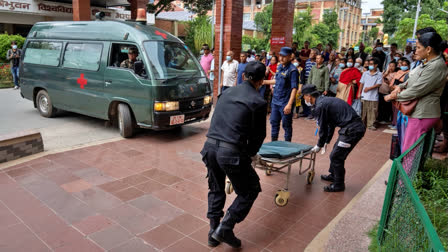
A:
(178, 119)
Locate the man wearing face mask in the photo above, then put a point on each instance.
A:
(361, 54)
(13, 55)
(380, 55)
(370, 83)
(286, 81)
(330, 113)
(390, 56)
(236, 133)
(229, 72)
(358, 64)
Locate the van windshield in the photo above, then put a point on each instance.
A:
(171, 60)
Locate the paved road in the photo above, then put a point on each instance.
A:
(65, 130)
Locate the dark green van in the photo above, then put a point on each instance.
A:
(78, 67)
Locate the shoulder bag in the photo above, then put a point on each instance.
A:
(405, 107)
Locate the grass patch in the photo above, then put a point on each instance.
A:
(431, 185)
(6, 84)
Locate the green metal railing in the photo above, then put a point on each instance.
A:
(405, 224)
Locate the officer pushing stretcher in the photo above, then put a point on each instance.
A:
(330, 113)
(236, 133)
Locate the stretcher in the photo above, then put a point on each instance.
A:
(275, 156)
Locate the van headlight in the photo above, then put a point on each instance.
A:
(207, 100)
(166, 106)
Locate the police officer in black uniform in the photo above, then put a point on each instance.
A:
(330, 113)
(236, 133)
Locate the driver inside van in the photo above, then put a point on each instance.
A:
(132, 58)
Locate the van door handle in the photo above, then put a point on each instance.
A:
(108, 83)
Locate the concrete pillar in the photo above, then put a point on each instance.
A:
(137, 4)
(282, 24)
(232, 33)
(81, 10)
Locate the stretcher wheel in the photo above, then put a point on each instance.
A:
(229, 187)
(281, 198)
(310, 177)
(268, 172)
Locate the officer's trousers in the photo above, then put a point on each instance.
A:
(277, 115)
(349, 136)
(222, 162)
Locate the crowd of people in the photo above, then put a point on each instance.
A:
(368, 82)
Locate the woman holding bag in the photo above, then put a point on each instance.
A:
(423, 89)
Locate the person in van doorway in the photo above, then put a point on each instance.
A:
(229, 72)
(370, 83)
(286, 81)
(330, 113)
(13, 55)
(236, 133)
(132, 58)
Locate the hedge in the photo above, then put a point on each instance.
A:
(5, 44)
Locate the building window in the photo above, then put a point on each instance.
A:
(267, 1)
(83, 56)
(246, 17)
(43, 53)
(247, 2)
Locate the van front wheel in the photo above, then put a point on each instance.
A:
(125, 121)
(44, 104)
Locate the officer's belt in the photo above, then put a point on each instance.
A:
(220, 143)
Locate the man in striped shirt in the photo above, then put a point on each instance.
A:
(306, 72)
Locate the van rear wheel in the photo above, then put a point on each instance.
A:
(44, 104)
(125, 121)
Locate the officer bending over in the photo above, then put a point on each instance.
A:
(236, 133)
(330, 113)
(286, 80)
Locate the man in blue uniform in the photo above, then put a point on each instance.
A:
(236, 133)
(286, 80)
(330, 113)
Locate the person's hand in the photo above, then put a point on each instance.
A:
(367, 89)
(287, 109)
(324, 149)
(315, 149)
(325, 93)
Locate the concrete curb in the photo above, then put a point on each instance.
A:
(319, 243)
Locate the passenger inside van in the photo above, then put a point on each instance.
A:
(132, 58)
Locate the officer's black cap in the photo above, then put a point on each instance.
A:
(133, 50)
(308, 89)
(255, 70)
(285, 51)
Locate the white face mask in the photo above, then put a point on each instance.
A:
(308, 103)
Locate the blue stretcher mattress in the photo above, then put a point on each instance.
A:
(281, 149)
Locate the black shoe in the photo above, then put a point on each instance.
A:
(334, 188)
(273, 139)
(224, 232)
(214, 223)
(327, 177)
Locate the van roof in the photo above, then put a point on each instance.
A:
(99, 30)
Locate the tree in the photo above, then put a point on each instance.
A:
(256, 44)
(406, 26)
(198, 31)
(396, 10)
(330, 18)
(373, 34)
(200, 7)
(302, 26)
(263, 22)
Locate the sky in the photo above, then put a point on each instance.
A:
(370, 4)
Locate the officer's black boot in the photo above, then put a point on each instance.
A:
(224, 232)
(214, 223)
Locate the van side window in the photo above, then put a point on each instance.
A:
(82, 56)
(43, 53)
(119, 54)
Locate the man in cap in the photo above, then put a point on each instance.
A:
(285, 89)
(132, 58)
(236, 133)
(330, 113)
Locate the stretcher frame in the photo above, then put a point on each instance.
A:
(270, 165)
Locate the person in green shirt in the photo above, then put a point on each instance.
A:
(320, 76)
(425, 83)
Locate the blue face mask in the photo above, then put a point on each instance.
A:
(396, 58)
(404, 68)
(228, 58)
(379, 49)
(349, 64)
(14, 47)
(371, 67)
(295, 64)
(269, 57)
(341, 65)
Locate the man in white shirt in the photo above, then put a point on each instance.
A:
(408, 54)
(370, 82)
(229, 72)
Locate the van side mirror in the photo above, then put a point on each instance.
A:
(138, 67)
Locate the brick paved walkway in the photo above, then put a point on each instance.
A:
(149, 194)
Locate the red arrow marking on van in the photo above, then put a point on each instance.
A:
(82, 81)
(163, 35)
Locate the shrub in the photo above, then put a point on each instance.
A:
(5, 44)
(5, 73)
